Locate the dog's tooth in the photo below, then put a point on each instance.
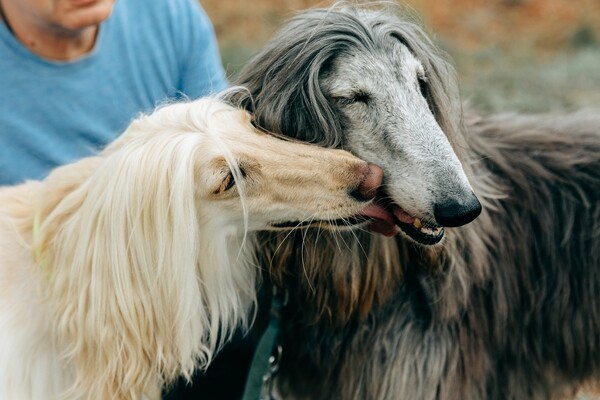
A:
(426, 230)
(417, 223)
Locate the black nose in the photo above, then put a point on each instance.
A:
(453, 213)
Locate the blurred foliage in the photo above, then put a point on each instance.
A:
(521, 55)
(493, 80)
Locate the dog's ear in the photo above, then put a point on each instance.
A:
(124, 271)
(282, 81)
(304, 113)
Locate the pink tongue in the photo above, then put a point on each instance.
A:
(383, 221)
(375, 211)
(383, 228)
(402, 215)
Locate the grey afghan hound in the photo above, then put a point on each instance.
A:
(505, 307)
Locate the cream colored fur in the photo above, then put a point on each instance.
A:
(122, 271)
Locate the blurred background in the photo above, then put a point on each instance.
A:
(511, 55)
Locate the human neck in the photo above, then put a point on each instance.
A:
(46, 40)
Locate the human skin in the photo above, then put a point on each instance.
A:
(58, 30)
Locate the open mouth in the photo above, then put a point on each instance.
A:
(387, 218)
(336, 223)
(382, 216)
(427, 233)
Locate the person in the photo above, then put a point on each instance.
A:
(73, 73)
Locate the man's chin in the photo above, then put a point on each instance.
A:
(83, 15)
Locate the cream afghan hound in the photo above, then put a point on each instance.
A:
(125, 270)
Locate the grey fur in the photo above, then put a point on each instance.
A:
(394, 125)
(508, 307)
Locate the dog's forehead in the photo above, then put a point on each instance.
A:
(392, 57)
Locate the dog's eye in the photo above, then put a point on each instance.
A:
(360, 97)
(423, 87)
(357, 97)
(228, 182)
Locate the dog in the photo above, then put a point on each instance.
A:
(124, 270)
(503, 307)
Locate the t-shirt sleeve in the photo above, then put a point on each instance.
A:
(201, 69)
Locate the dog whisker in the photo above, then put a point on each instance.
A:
(357, 240)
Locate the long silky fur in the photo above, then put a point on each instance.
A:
(140, 287)
(506, 308)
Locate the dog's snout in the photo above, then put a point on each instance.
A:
(453, 213)
(372, 175)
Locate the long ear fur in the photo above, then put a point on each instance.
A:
(143, 295)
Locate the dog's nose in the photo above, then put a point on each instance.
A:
(369, 184)
(454, 213)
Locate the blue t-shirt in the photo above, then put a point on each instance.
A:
(53, 113)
